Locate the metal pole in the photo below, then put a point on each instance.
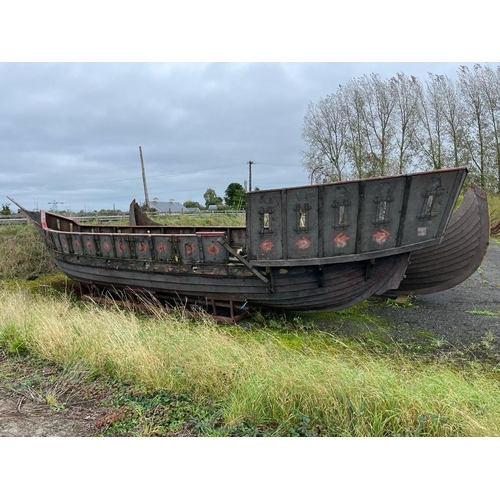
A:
(144, 178)
(250, 163)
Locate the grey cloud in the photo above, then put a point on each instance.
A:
(71, 131)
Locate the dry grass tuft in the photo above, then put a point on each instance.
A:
(22, 253)
(312, 381)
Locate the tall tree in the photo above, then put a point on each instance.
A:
(235, 196)
(477, 123)
(324, 131)
(453, 117)
(405, 94)
(489, 84)
(354, 110)
(432, 124)
(379, 106)
(211, 198)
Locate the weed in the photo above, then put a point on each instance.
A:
(12, 339)
(482, 313)
(399, 302)
(489, 341)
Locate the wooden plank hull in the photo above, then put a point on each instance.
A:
(308, 288)
(459, 254)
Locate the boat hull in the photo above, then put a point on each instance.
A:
(459, 254)
(308, 288)
(307, 248)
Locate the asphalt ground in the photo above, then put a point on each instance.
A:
(468, 314)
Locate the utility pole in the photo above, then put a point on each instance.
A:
(250, 163)
(144, 178)
(54, 204)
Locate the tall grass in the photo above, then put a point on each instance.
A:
(266, 379)
(494, 205)
(219, 219)
(22, 253)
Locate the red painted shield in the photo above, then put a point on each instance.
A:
(381, 236)
(213, 249)
(189, 248)
(267, 245)
(303, 243)
(341, 240)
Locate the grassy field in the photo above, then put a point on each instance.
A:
(271, 378)
(268, 376)
(494, 204)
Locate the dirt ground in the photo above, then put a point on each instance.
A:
(37, 400)
(466, 315)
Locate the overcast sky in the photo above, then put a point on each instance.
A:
(70, 131)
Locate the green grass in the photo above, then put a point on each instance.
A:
(22, 253)
(494, 206)
(219, 219)
(280, 378)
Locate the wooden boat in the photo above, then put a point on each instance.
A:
(458, 256)
(435, 268)
(308, 248)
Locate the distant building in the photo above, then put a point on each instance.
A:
(171, 207)
(168, 206)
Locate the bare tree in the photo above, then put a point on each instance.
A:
(353, 100)
(379, 106)
(477, 123)
(489, 84)
(405, 94)
(324, 131)
(431, 120)
(453, 115)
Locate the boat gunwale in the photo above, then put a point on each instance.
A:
(46, 228)
(382, 177)
(316, 261)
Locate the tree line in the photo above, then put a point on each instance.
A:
(373, 126)
(235, 198)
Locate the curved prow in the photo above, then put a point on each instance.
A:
(459, 254)
(138, 218)
(32, 216)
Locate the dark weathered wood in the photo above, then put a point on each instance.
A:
(310, 248)
(459, 254)
(297, 289)
(366, 218)
(137, 217)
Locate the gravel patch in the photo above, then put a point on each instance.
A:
(466, 314)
